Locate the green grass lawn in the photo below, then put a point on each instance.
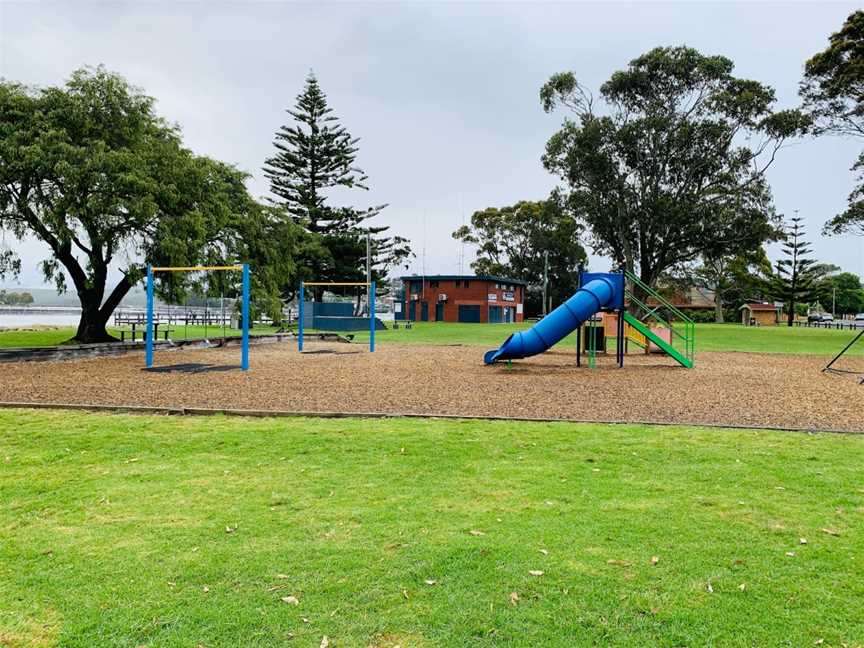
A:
(773, 339)
(12, 339)
(709, 337)
(119, 530)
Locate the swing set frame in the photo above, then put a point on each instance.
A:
(829, 368)
(370, 306)
(242, 267)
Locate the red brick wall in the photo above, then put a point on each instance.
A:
(477, 293)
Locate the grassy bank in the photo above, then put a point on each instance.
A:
(145, 531)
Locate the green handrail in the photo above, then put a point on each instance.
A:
(653, 293)
(688, 336)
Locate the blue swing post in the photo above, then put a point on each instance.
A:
(244, 356)
(372, 317)
(148, 354)
(300, 322)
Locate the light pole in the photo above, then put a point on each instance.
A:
(369, 306)
(545, 280)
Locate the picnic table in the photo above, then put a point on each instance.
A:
(141, 327)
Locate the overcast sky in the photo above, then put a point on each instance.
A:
(443, 95)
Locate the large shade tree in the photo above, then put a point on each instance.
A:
(89, 170)
(315, 158)
(833, 93)
(670, 164)
(524, 241)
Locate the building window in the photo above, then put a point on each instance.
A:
(415, 288)
(458, 283)
(433, 284)
(466, 283)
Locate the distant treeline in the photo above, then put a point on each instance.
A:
(15, 298)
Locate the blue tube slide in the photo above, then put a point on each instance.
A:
(589, 299)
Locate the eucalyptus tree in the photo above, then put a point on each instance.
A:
(530, 240)
(668, 163)
(833, 93)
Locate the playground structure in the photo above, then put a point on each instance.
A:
(335, 318)
(830, 368)
(635, 321)
(150, 333)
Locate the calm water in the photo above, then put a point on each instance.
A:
(9, 320)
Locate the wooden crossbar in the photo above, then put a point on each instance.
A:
(335, 283)
(196, 268)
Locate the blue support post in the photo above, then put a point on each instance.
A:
(300, 322)
(148, 354)
(244, 358)
(372, 317)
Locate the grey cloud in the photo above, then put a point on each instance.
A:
(443, 95)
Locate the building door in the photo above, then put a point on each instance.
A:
(469, 314)
(439, 311)
(494, 314)
(424, 311)
(412, 310)
(508, 314)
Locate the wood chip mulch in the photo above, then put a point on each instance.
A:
(746, 389)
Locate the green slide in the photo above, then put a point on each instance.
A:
(656, 339)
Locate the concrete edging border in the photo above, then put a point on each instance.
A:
(205, 411)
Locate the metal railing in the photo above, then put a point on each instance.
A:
(839, 325)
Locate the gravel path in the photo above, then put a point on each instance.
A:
(724, 388)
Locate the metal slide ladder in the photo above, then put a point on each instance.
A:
(682, 329)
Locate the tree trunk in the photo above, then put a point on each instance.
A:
(718, 308)
(790, 318)
(91, 326)
(95, 315)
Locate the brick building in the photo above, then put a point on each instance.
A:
(462, 298)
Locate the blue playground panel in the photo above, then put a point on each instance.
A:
(347, 324)
(335, 316)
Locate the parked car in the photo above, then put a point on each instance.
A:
(859, 317)
(820, 317)
(827, 317)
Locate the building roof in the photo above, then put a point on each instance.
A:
(759, 307)
(507, 280)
